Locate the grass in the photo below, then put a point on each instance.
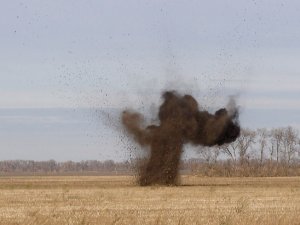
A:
(118, 200)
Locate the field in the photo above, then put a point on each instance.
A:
(118, 200)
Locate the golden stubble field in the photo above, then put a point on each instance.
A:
(118, 200)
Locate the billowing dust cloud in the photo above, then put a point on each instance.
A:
(181, 122)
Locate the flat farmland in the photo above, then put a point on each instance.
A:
(119, 200)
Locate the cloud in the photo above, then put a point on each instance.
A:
(30, 99)
(270, 103)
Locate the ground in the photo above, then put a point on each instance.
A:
(118, 200)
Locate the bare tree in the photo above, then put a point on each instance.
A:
(230, 150)
(210, 155)
(277, 139)
(290, 143)
(272, 144)
(245, 140)
(262, 142)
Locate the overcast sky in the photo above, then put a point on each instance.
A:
(64, 63)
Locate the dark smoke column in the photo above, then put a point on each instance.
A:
(181, 122)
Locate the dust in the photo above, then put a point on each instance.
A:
(181, 122)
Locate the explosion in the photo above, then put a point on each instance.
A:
(181, 122)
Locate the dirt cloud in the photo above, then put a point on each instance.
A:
(181, 122)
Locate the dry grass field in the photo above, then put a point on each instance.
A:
(117, 200)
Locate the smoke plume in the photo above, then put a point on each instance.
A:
(181, 122)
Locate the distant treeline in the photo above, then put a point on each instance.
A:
(53, 167)
(261, 152)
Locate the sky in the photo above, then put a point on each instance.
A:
(68, 68)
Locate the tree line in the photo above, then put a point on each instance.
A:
(54, 167)
(261, 152)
